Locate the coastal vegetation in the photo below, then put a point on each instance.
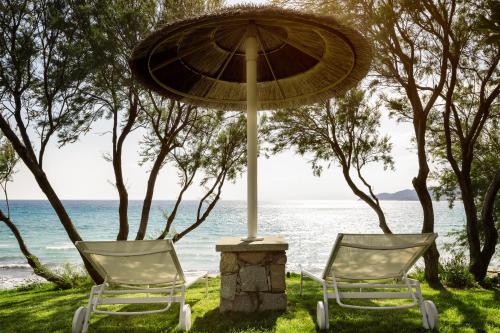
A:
(436, 66)
(43, 309)
(64, 66)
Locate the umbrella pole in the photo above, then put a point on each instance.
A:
(251, 72)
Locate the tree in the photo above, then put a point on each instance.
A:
(179, 9)
(166, 124)
(468, 127)
(484, 180)
(194, 142)
(472, 90)
(218, 152)
(345, 131)
(43, 81)
(63, 65)
(412, 43)
(120, 25)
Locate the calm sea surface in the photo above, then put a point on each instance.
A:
(310, 227)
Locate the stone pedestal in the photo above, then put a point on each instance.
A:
(252, 274)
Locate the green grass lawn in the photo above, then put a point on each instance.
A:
(44, 309)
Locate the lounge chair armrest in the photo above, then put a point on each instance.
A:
(195, 278)
(312, 276)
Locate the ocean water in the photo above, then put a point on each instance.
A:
(309, 226)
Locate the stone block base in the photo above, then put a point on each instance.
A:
(252, 280)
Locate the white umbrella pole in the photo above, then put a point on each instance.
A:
(251, 72)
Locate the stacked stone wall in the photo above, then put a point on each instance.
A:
(253, 281)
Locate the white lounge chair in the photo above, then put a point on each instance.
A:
(384, 260)
(131, 268)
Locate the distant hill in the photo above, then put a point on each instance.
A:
(404, 195)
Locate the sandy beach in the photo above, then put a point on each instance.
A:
(13, 277)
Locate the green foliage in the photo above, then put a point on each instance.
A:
(42, 72)
(489, 21)
(75, 277)
(8, 160)
(483, 168)
(227, 150)
(117, 26)
(32, 286)
(343, 131)
(180, 9)
(455, 272)
(491, 282)
(418, 273)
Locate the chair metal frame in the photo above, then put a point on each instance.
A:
(410, 287)
(175, 292)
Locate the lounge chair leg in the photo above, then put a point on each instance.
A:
(420, 300)
(300, 284)
(325, 302)
(90, 307)
(86, 321)
(181, 306)
(206, 285)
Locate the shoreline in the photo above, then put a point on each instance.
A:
(15, 277)
(11, 278)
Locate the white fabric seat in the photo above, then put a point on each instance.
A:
(129, 268)
(374, 261)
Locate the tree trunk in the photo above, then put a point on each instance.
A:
(363, 196)
(118, 141)
(431, 257)
(471, 223)
(122, 210)
(33, 260)
(490, 231)
(431, 260)
(123, 197)
(146, 206)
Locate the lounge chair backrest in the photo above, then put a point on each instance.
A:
(376, 256)
(134, 262)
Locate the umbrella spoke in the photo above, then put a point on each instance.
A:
(260, 41)
(223, 68)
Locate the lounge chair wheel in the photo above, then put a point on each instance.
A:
(431, 314)
(321, 315)
(78, 319)
(185, 318)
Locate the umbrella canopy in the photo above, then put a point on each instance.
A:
(302, 58)
(252, 58)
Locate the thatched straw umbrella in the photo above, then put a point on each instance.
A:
(291, 59)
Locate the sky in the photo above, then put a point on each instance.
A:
(79, 171)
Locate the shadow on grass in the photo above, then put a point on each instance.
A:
(47, 310)
(214, 321)
(40, 310)
(358, 320)
(159, 322)
(470, 312)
